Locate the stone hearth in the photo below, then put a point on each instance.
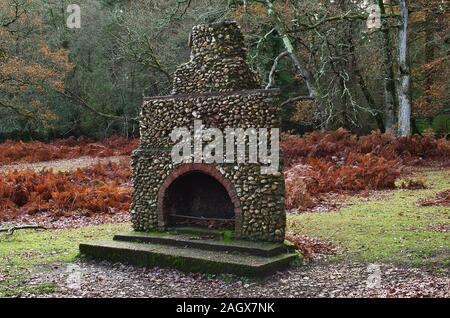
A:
(219, 88)
(215, 202)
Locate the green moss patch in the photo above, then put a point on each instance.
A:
(187, 259)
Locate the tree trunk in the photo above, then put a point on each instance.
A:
(390, 91)
(299, 65)
(373, 106)
(305, 73)
(362, 83)
(349, 64)
(429, 57)
(404, 117)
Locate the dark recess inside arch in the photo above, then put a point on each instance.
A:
(198, 195)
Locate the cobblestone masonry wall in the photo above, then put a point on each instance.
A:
(258, 198)
(218, 61)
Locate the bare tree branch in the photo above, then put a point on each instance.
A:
(274, 68)
(10, 230)
(16, 16)
(346, 16)
(18, 111)
(83, 103)
(296, 99)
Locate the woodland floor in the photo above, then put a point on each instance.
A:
(60, 165)
(409, 243)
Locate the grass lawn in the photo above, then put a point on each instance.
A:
(28, 251)
(388, 230)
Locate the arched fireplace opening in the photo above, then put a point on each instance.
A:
(196, 198)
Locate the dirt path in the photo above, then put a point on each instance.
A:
(60, 165)
(103, 279)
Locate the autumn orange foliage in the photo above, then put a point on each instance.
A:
(323, 162)
(338, 145)
(29, 67)
(102, 188)
(442, 198)
(316, 164)
(311, 247)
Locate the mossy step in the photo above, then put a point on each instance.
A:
(197, 231)
(186, 259)
(198, 241)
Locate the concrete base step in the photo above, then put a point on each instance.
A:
(189, 259)
(200, 241)
(197, 231)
